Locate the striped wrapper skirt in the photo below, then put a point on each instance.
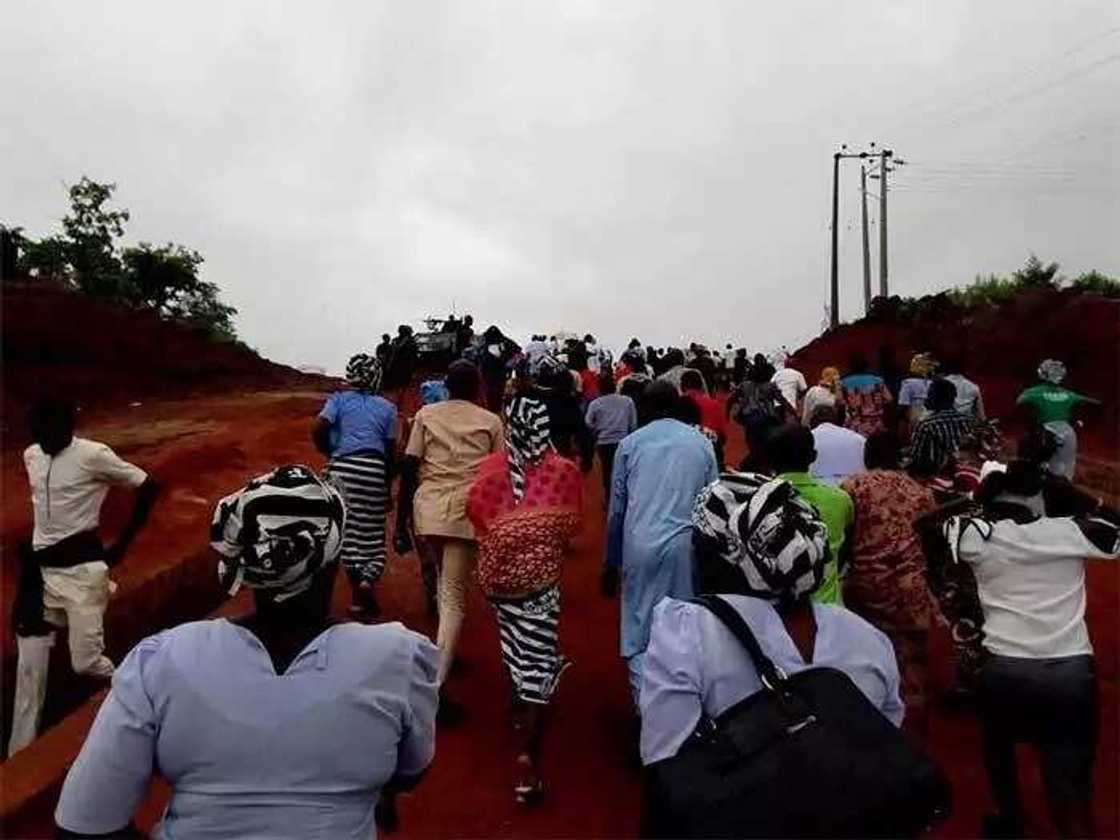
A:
(363, 481)
(530, 651)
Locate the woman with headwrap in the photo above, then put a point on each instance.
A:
(1052, 407)
(551, 383)
(763, 549)
(824, 393)
(886, 580)
(281, 724)
(914, 389)
(526, 506)
(357, 431)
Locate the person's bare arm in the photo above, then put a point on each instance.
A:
(410, 480)
(145, 500)
(321, 436)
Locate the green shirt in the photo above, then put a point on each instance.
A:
(1050, 403)
(838, 512)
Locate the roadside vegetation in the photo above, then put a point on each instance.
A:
(994, 291)
(88, 256)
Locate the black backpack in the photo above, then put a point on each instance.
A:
(806, 756)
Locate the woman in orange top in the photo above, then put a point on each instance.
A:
(526, 505)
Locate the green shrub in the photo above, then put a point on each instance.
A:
(1095, 283)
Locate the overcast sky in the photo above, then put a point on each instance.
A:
(661, 169)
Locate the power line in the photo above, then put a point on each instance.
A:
(938, 114)
(1062, 137)
(1010, 189)
(1028, 93)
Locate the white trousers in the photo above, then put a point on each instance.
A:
(31, 689)
(74, 598)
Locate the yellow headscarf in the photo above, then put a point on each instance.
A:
(830, 377)
(923, 365)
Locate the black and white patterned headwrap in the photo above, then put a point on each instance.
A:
(363, 372)
(528, 438)
(278, 531)
(762, 526)
(547, 365)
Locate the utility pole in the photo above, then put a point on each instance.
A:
(834, 308)
(884, 160)
(866, 244)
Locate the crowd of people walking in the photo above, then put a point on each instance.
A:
(869, 507)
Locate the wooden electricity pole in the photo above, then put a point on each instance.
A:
(884, 167)
(866, 242)
(834, 307)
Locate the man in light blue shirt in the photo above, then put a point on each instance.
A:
(610, 418)
(658, 472)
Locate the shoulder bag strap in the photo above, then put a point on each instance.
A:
(771, 676)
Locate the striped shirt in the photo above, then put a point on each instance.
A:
(936, 438)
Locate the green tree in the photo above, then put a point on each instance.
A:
(1095, 283)
(92, 231)
(87, 257)
(46, 259)
(159, 276)
(203, 307)
(166, 280)
(1035, 275)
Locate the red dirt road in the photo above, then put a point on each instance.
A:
(593, 783)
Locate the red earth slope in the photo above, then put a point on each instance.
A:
(1001, 348)
(103, 355)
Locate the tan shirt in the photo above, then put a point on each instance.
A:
(451, 439)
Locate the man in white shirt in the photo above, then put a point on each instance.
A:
(791, 383)
(839, 450)
(65, 576)
(592, 348)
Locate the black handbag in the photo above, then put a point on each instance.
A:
(807, 756)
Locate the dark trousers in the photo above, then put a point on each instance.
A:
(1051, 704)
(606, 464)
